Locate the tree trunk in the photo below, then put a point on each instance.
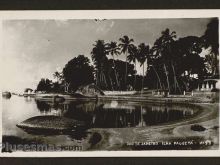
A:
(126, 71)
(104, 78)
(96, 77)
(157, 76)
(168, 83)
(175, 79)
(100, 79)
(216, 67)
(142, 80)
(116, 76)
(111, 82)
(67, 87)
(135, 77)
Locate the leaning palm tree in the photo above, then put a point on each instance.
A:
(133, 57)
(113, 49)
(162, 48)
(126, 46)
(143, 55)
(151, 63)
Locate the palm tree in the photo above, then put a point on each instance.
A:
(113, 49)
(133, 57)
(126, 46)
(151, 63)
(99, 58)
(162, 49)
(57, 75)
(144, 54)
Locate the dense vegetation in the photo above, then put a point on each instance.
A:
(172, 64)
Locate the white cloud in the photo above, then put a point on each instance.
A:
(104, 26)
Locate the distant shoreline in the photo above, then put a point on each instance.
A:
(211, 97)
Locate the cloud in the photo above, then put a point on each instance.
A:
(104, 26)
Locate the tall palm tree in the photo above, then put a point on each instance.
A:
(168, 39)
(113, 49)
(133, 57)
(162, 48)
(151, 63)
(144, 54)
(126, 46)
(99, 58)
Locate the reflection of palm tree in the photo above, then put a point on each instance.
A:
(43, 106)
(126, 47)
(113, 49)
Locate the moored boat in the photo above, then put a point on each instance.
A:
(6, 94)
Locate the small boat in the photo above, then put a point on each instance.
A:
(6, 95)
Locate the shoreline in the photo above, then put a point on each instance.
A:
(199, 98)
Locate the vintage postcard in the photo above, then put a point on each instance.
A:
(110, 83)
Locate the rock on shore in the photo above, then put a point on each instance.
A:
(51, 124)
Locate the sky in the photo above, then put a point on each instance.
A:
(35, 49)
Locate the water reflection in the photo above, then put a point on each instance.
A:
(43, 106)
(48, 108)
(116, 114)
(96, 114)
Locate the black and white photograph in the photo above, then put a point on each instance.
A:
(109, 84)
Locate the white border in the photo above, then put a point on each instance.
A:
(108, 14)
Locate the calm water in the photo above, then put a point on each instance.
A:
(97, 114)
